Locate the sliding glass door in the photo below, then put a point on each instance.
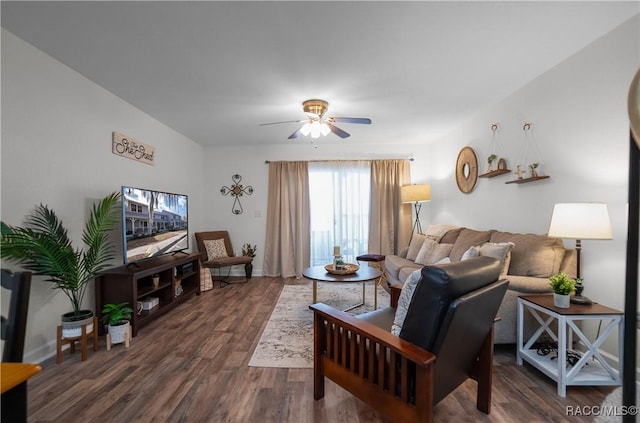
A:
(339, 199)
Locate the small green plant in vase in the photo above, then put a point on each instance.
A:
(490, 161)
(117, 317)
(562, 286)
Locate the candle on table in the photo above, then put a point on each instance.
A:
(336, 250)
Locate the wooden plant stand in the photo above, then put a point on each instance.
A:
(127, 339)
(82, 338)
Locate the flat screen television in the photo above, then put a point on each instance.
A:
(154, 223)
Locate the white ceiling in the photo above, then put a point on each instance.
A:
(213, 71)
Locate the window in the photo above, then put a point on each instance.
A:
(339, 200)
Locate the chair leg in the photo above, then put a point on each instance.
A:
(318, 350)
(485, 374)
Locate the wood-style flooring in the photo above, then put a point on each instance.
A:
(191, 366)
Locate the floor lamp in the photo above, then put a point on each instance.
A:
(416, 194)
(580, 221)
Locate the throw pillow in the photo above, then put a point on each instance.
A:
(415, 245)
(500, 251)
(431, 252)
(215, 249)
(468, 238)
(404, 300)
(445, 260)
(437, 231)
(472, 252)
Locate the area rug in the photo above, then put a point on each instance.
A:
(287, 340)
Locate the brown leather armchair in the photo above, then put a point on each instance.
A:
(220, 262)
(446, 338)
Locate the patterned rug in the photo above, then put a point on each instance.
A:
(287, 340)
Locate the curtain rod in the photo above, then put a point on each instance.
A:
(352, 160)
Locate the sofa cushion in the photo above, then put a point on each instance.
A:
(404, 273)
(468, 238)
(415, 245)
(437, 231)
(532, 255)
(499, 251)
(432, 252)
(451, 236)
(436, 288)
(394, 264)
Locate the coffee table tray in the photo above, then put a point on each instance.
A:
(347, 269)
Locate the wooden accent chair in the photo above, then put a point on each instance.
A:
(446, 338)
(220, 262)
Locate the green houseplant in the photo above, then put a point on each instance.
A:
(117, 317)
(249, 251)
(43, 247)
(562, 286)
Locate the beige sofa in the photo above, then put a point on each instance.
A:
(532, 259)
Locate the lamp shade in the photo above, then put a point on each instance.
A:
(580, 221)
(415, 193)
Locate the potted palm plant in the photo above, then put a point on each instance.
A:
(562, 287)
(116, 317)
(43, 246)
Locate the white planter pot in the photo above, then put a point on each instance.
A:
(119, 333)
(72, 325)
(561, 301)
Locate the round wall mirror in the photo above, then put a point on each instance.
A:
(467, 170)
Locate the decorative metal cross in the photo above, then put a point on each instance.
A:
(237, 190)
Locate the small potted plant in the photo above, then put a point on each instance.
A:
(532, 168)
(116, 317)
(562, 287)
(249, 251)
(490, 160)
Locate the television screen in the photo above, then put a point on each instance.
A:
(154, 223)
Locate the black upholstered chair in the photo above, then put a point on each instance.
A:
(217, 263)
(446, 338)
(14, 325)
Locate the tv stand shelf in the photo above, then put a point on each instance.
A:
(179, 279)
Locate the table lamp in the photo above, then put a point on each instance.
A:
(415, 194)
(580, 221)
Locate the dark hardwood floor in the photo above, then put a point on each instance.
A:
(191, 366)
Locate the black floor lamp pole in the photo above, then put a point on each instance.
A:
(631, 285)
(416, 224)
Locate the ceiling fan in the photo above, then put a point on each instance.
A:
(316, 124)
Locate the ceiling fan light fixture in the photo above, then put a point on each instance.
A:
(324, 129)
(306, 129)
(316, 129)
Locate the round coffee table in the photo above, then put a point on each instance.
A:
(364, 274)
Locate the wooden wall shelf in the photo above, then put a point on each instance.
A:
(525, 180)
(494, 173)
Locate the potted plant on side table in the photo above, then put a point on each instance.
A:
(562, 286)
(117, 318)
(43, 246)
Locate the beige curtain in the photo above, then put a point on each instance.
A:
(389, 220)
(287, 245)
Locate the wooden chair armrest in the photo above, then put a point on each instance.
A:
(358, 326)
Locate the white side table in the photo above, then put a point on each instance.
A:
(592, 369)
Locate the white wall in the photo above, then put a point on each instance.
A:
(580, 127)
(56, 149)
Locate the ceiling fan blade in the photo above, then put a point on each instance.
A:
(277, 123)
(349, 120)
(339, 132)
(295, 134)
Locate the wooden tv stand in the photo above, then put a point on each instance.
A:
(178, 277)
